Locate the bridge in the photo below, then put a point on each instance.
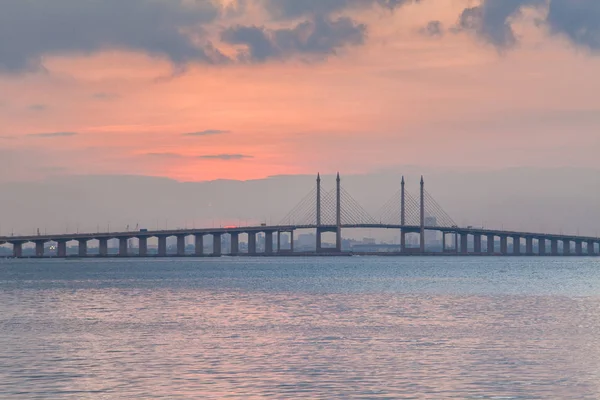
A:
(322, 212)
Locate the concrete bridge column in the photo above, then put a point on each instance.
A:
(490, 244)
(516, 244)
(269, 242)
(82, 247)
(443, 242)
(235, 244)
(579, 247)
(590, 247)
(566, 247)
(504, 245)
(554, 247)
(103, 247)
(39, 249)
(252, 242)
(403, 241)
(456, 242)
(319, 244)
(123, 247)
(162, 246)
(181, 245)
(278, 241)
(292, 241)
(529, 246)
(17, 250)
(542, 246)
(477, 243)
(62, 249)
(143, 246)
(199, 244)
(216, 244)
(464, 243)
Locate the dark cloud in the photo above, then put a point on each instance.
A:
(172, 29)
(37, 107)
(320, 37)
(168, 28)
(302, 8)
(577, 20)
(165, 155)
(52, 134)
(433, 29)
(225, 157)
(105, 96)
(207, 132)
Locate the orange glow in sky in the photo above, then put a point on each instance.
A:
(401, 96)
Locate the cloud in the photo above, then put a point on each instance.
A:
(225, 157)
(165, 155)
(37, 107)
(167, 28)
(433, 29)
(207, 132)
(301, 8)
(7, 137)
(52, 134)
(577, 20)
(318, 37)
(105, 96)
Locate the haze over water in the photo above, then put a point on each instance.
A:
(516, 328)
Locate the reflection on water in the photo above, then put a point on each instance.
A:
(306, 328)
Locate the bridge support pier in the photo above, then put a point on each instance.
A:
(143, 246)
(590, 248)
(464, 243)
(235, 244)
(504, 245)
(566, 247)
(477, 243)
(269, 242)
(579, 247)
(529, 246)
(17, 250)
(542, 246)
(443, 242)
(278, 242)
(39, 249)
(199, 245)
(62, 249)
(252, 243)
(403, 240)
(181, 245)
(517, 245)
(490, 244)
(82, 248)
(217, 244)
(162, 246)
(103, 247)
(554, 246)
(123, 250)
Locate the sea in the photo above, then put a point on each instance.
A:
(301, 328)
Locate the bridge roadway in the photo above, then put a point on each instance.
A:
(461, 240)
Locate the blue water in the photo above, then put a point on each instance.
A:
(318, 328)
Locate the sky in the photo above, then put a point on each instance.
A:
(199, 90)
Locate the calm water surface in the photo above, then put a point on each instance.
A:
(329, 328)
